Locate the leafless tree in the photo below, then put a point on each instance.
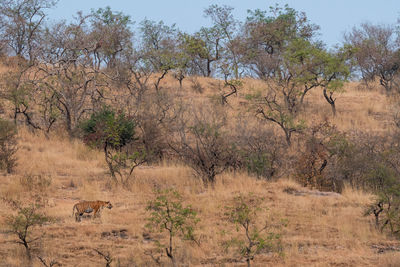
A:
(376, 53)
(67, 75)
(21, 24)
(200, 140)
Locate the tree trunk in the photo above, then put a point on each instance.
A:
(109, 163)
(288, 136)
(208, 68)
(28, 252)
(331, 101)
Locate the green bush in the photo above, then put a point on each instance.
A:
(386, 184)
(114, 133)
(248, 214)
(21, 225)
(168, 214)
(106, 128)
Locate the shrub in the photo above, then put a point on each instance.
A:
(203, 143)
(114, 133)
(168, 214)
(22, 224)
(35, 182)
(259, 150)
(245, 213)
(8, 145)
(107, 129)
(386, 206)
(325, 150)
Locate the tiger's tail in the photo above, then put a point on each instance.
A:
(73, 209)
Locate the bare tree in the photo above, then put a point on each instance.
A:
(201, 141)
(21, 24)
(68, 76)
(376, 53)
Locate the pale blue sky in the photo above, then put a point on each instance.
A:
(333, 16)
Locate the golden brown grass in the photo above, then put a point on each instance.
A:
(321, 231)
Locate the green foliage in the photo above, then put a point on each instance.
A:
(260, 164)
(111, 30)
(106, 128)
(244, 213)
(114, 133)
(22, 224)
(387, 203)
(159, 42)
(108, 17)
(277, 29)
(27, 217)
(194, 46)
(8, 145)
(168, 214)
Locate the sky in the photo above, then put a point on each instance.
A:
(335, 17)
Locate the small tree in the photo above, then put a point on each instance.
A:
(168, 214)
(8, 145)
(324, 150)
(224, 34)
(114, 133)
(376, 54)
(244, 213)
(110, 31)
(260, 150)
(387, 203)
(22, 224)
(21, 23)
(159, 48)
(202, 142)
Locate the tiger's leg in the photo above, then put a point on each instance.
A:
(96, 213)
(78, 216)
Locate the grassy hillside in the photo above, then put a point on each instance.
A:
(323, 229)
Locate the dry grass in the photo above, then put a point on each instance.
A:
(322, 230)
(357, 108)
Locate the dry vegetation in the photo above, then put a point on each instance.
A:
(321, 230)
(245, 143)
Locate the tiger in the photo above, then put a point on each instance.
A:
(88, 207)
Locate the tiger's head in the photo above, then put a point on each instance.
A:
(109, 205)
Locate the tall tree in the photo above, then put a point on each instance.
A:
(111, 34)
(21, 23)
(376, 53)
(266, 36)
(68, 73)
(223, 33)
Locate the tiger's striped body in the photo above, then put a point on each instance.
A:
(88, 207)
